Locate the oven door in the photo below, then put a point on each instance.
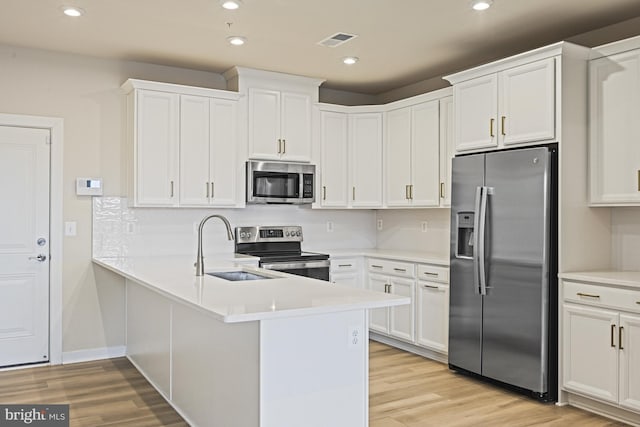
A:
(313, 269)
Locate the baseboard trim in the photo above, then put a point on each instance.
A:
(604, 409)
(93, 354)
(420, 351)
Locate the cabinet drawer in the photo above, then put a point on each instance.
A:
(396, 268)
(602, 296)
(340, 265)
(433, 273)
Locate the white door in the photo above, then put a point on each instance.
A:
(425, 158)
(366, 159)
(527, 103)
(398, 157)
(378, 317)
(629, 345)
(264, 124)
(475, 107)
(296, 127)
(433, 315)
(24, 246)
(401, 316)
(334, 140)
(447, 149)
(590, 352)
(194, 150)
(223, 160)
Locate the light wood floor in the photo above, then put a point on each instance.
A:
(405, 390)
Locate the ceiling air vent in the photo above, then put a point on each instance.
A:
(337, 39)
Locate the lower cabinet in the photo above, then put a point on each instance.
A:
(601, 343)
(425, 321)
(345, 271)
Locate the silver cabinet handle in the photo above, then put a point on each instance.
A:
(206, 184)
(376, 266)
(402, 270)
(279, 146)
(344, 265)
(430, 286)
(430, 274)
(171, 188)
(213, 190)
(582, 294)
(284, 146)
(39, 258)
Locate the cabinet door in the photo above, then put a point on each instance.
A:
(378, 317)
(351, 280)
(447, 149)
(432, 316)
(401, 318)
(223, 159)
(296, 127)
(194, 150)
(334, 147)
(425, 159)
(527, 103)
(264, 124)
(366, 159)
(475, 111)
(590, 352)
(156, 148)
(397, 154)
(629, 344)
(614, 160)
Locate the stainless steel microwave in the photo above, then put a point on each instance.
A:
(280, 182)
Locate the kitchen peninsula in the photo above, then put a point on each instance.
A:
(282, 351)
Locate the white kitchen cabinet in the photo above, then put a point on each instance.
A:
(412, 155)
(513, 106)
(207, 158)
(334, 165)
(601, 328)
(614, 155)
(589, 339)
(629, 344)
(432, 307)
(279, 125)
(447, 149)
(345, 271)
(398, 278)
(365, 153)
(183, 142)
(154, 127)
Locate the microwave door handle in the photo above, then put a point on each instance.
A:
(476, 233)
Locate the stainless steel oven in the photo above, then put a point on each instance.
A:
(279, 248)
(280, 183)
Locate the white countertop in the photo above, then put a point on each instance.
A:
(617, 278)
(283, 296)
(397, 255)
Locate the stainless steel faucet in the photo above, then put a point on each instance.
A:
(200, 259)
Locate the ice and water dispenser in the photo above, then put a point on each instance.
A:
(464, 244)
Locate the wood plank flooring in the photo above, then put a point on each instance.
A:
(405, 391)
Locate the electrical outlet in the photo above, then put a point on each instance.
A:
(379, 224)
(423, 226)
(329, 226)
(355, 336)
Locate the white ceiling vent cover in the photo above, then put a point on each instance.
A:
(337, 39)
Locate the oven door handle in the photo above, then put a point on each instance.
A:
(293, 265)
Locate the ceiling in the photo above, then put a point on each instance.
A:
(400, 42)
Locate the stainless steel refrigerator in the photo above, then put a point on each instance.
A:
(503, 279)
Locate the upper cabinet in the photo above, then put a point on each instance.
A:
(614, 156)
(514, 106)
(334, 161)
(365, 142)
(182, 144)
(279, 125)
(411, 155)
(277, 113)
(511, 102)
(447, 149)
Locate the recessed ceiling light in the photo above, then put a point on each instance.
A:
(231, 4)
(72, 11)
(350, 60)
(237, 40)
(481, 4)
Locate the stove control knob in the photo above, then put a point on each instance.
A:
(298, 233)
(248, 234)
(242, 234)
(286, 233)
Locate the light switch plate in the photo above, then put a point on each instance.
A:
(70, 228)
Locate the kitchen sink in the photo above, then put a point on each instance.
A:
(236, 276)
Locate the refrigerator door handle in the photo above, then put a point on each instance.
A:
(481, 240)
(476, 243)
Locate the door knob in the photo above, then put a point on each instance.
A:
(39, 258)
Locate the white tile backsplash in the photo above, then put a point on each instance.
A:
(122, 231)
(402, 230)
